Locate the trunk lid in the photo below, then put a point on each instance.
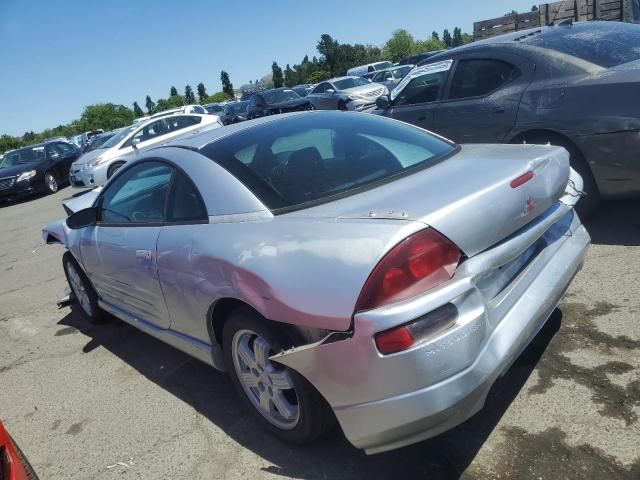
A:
(468, 197)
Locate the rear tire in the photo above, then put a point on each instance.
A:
(113, 169)
(589, 202)
(342, 105)
(85, 295)
(295, 413)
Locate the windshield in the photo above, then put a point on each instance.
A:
(310, 158)
(98, 142)
(214, 108)
(235, 108)
(350, 82)
(606, 44)
(277, 96)
(118, 137)
(23, 156)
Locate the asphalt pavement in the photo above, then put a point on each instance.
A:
(103, 402)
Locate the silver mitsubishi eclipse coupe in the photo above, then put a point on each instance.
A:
(340, 266)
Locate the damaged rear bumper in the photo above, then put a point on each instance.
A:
(386, 402)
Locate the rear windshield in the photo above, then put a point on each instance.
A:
(303, 159)
(606, 44)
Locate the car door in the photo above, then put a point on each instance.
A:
(321, 99)
(416, 96)
(147, 137)
(68, 155)
(119, 252)
(483, 97)
(56, 160)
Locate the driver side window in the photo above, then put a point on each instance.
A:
(422, 89)
(137, 196)
(152, 130)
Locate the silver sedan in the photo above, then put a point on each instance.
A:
(340, 266)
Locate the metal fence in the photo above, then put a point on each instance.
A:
(554, 13)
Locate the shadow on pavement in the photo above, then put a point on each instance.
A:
(332, 457)
(616, 223)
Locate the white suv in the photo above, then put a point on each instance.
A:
(94, 168)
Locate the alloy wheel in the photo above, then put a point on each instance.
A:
(268, 385)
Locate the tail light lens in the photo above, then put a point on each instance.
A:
(415, 265)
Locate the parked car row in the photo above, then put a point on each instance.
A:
(573, 86)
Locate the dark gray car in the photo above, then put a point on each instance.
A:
(570, 85)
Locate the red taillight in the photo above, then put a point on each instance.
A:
(417, 264)
(395, 340)
(522, 179)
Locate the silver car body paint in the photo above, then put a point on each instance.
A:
(306, 268)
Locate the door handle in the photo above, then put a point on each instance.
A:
(422, 118)
(143, 254)
(499, 110)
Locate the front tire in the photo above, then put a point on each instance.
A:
(113, 169)
(280, 399)
(50, 182)
(82, 289)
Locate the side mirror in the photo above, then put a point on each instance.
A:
(135, 143)
(82, 218)
(330, 90)
(383, 102)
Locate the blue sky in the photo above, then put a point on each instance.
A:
(57, 57)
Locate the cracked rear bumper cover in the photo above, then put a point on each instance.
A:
(401, 419)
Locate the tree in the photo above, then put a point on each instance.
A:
(107, 116)
(446, 38)
(174, 92)
(400, 45)
(512, 12)
(318, 76)
(435, 36)
(175, 101)
(328, 48)
(429, 45)
(290, 77)
(189, 97)
(227, 86)
(151, 107)
(456, 41)
(137, 110)
(217, 97)
(278, 79)
(534, 8)
(162, 105)
(7, 142)
(202, 92)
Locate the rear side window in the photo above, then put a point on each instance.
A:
(475, 78)
(185, 203)
(305, 159)
(182, 121)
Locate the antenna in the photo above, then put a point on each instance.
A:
(553, 20)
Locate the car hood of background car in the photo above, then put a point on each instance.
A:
(294, 102)
(362, 89)
(17, 169)
(89, 156)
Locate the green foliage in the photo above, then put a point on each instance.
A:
(435, 36)
(173, 92)
(137, 111)
(428, 45)
(446, 39)
(151, 107)
(400, 45)
(7, 142)
(278, 79)
(290, 77)
(534, 8)
(456, 41)
(318, 76)
(217, 97)
(175, 101)
(202, 92)
(227, 86)
(162, 105)
(189, 97)
(106, 116)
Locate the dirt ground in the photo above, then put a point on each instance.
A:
(106, 402)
